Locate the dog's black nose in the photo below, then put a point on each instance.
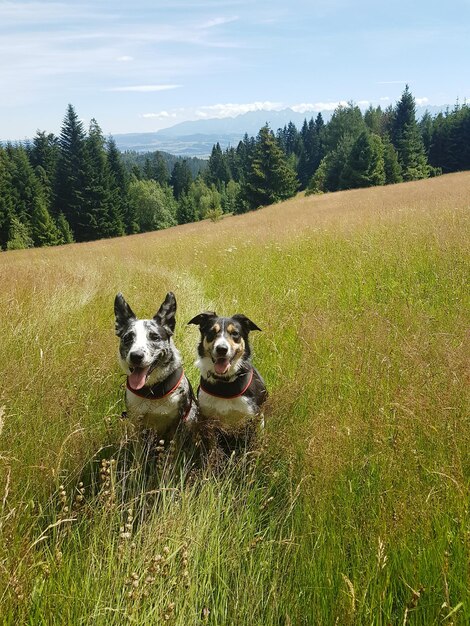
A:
(221, 350)
(136, 357)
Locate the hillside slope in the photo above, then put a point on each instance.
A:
(355, 510)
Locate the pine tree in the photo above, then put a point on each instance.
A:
(217, 172)
(407, 139)
(185, 210)
(65, 232)
(425, 128)
(155, 168)
(373, 119)
(6, 200)
(392, 167)
(181, 178)
(346, 122)
(102, 218)
(270, 178)
(19, 235)
(71, 176)
(311, 151)
(29, 203)
(119, 186)
(43, 156)
(365, 163)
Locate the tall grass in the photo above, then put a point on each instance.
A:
(354, 510)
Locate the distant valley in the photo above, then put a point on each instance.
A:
(196, 138)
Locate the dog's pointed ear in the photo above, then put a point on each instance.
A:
(203, 318)
(122, 312)
(166, 314)
(245, 322)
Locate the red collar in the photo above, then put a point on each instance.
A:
(226, 390)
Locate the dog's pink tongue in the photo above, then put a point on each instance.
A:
(138, 377)
(221, 366)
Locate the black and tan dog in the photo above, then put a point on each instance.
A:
(159, 397)
(231, 391)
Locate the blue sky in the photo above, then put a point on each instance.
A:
(143, 65)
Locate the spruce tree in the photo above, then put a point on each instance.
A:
(29, 203)
(269, 178)
(65, 232)
(119, 186)
(181, 178)
(311, 151)
(6, 199)
(407, 139)
(44, 156)
(392, 167)
(365, 163)
(217, 172)
(20, 237)
(100, 215)
(71, 174)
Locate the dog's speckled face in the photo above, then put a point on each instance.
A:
(224, 343)
(144, 344)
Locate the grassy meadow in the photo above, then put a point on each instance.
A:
(354, 509)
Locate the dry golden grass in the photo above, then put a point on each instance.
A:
(360, 497)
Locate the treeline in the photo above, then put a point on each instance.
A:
(79, 187)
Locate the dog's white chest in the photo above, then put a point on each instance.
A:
(157, 414)
(228, 412)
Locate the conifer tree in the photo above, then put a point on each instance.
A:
(43, 156)
(119, 186)
(29, 203)
(392, 167)
(346, 122)
(217, 172)
(6, 208)
(407, 139)
(65, 232)
(155, 168)
(269, 178)
(71, 174)
(99, 216)
(365, 163)
(19, 236)
(181, 178)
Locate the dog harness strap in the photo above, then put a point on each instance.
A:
(160, 390)
(228, 390)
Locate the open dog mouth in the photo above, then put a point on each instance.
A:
(222, 365)
(138, 376)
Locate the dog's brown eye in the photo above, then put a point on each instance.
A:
(235, 335)
(129, 338)
(153, 337)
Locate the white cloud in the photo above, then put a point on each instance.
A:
(160, 115)
(317, 106)
(384, 99)
(232, 110)
(422, 101)
(124, 59)
(144, 88)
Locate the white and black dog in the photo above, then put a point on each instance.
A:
(231, 391)
(158, 394)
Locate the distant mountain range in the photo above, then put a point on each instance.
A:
(196, 138)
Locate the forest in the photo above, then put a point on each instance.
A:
(80, 187)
